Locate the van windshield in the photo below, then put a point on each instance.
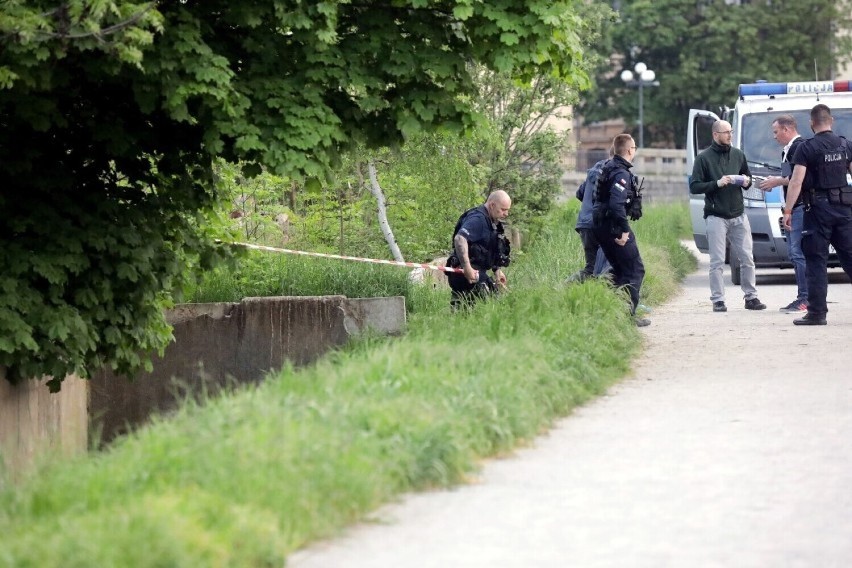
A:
(759, 145)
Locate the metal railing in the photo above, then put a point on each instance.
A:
(648, 161)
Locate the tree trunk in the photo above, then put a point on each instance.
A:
(376, 190)
(341, 204)
(292, 196)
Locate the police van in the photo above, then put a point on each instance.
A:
(758, 105)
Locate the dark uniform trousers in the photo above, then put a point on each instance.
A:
(627, 267)
(825, 223)
(464, 294)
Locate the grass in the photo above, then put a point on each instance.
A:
(272, 274)
(248, 477)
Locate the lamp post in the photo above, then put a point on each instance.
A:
(643, 77)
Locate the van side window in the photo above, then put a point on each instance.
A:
(703, 132)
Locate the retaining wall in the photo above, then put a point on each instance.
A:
(235, 343)
(34, 421)
(215, 345)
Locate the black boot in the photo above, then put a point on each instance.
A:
(810, 319)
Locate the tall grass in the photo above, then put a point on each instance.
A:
(258, 273)
(249, 476)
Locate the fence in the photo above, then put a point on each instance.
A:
(647, 162)
(664, 171)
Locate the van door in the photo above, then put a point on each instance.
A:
(699, 136)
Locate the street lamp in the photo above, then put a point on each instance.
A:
(643, 77)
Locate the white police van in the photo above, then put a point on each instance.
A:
(759, 104)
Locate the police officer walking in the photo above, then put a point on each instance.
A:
(479, 245)
(596, 262)
(616, 193)
(819, 175)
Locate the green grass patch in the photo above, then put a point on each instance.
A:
(249, 476)
(261, 273)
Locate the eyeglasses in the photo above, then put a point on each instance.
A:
(725, 132)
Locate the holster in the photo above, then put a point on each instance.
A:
(807, 198)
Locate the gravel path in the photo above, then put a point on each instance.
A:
(729, 446)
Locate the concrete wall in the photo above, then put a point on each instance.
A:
(34, 421)
(215, 345)
(234, 343)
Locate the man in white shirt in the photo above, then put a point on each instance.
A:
(786, 134)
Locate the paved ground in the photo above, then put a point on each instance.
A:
(730, 446)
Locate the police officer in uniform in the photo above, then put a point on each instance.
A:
(596, 262)
(616, 191)
(479, 245)
(819, 174)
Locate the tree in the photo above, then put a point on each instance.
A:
(381, 206)
(530, 121)
(428, 182)
(111, 115)
(701, 51)
(425, 184)
(525, 162)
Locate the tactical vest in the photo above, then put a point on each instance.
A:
(602, 184)
(632, 202)
(493, 254)
(633, 206)
(832, 165)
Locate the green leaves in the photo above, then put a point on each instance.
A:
(313, 185)
(114, 112)
(701, 51)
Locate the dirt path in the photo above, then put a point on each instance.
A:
(731, 446)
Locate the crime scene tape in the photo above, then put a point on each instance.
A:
(355, 258)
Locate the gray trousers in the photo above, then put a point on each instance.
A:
(738, 232)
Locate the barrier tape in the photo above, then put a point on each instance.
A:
(355, 258)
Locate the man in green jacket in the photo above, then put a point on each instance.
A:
(720, 173)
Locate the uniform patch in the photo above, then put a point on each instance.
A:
(619, 185)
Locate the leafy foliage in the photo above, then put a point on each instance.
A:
(525, 159)
(428, 183)
(249, 477)
(701, 52)
(113, 113)
(531, 121)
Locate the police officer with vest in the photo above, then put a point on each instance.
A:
(616, 192)
(596, 262)
(479, 245)
(820, 176)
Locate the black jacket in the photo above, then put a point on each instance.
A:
(610, 210)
